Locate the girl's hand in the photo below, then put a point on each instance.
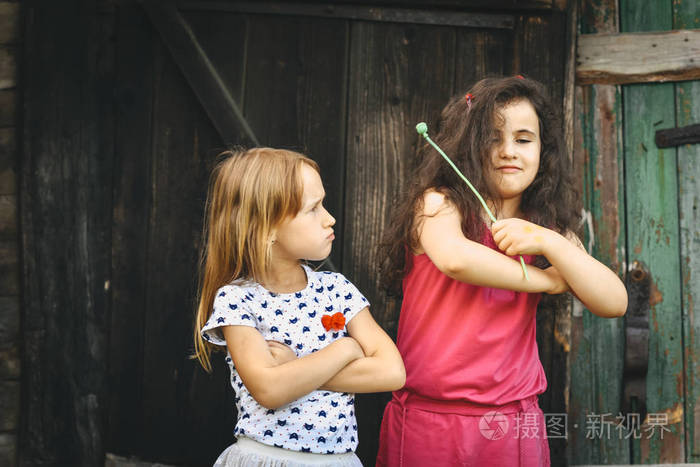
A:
(519, 237)
(281, 353)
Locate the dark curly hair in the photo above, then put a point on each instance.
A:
(467, 134)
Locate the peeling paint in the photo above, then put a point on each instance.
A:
(655, 295)
(675, 414)
(587, 218)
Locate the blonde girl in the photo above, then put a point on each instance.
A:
(299, 342)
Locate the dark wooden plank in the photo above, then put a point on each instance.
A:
(8, 217)
(8, 66)
(8, 449)
(8, 161)
(572, 18)
(9, 23)
(9, 359)
(651, 188)
(390, 91)
(8, 102)
(295, 97)
(132, 199)
(66, 220)
(481, 53)
(9, 267)
(361, 13)
(9, 321)
(456, 5)
(180, 161)
(272, 70)
(534, 55)
(223, 38)
(9, 405)
(194, 63)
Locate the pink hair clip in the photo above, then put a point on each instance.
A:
(520, 76)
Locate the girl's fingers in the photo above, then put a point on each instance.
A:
(504, 244)
(498, 236)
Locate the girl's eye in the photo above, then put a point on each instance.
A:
(523, 141)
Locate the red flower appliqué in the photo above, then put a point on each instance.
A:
(335, 322)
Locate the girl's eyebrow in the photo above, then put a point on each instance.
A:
(525, 130)
(315, 201)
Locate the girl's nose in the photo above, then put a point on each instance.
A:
(508, 150)
(330, 220)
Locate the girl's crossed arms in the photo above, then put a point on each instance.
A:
(364, 361)
(573, 269)
(596, 286)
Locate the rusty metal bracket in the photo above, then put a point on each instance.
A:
(638, 283)
(678, 136)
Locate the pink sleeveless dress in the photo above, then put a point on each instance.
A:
(473, 374)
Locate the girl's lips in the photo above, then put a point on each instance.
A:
(331, 237)
(509, 169)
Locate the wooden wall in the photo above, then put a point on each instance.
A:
(118, 145)
(10, 134)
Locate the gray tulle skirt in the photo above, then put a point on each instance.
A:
(248, 453)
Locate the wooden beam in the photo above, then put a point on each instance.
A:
(493, 5)
(200, 73)
(362, 13)
(638, 57)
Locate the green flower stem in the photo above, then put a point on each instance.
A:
(422, 130)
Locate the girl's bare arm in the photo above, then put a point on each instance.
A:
(273, 385)
(381, 369)
(598, 288)
(441, 237)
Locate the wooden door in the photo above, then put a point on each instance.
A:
(642, 220)
(175, 86)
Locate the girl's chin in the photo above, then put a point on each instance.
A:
(319, 257)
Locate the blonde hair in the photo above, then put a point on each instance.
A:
(250, 193)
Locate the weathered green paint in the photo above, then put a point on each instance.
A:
(688, 110)
(597, 343)
(660, 208)
(598, 352)
(686, 15)
(651, 188)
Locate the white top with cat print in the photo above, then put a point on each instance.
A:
(322, 421)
